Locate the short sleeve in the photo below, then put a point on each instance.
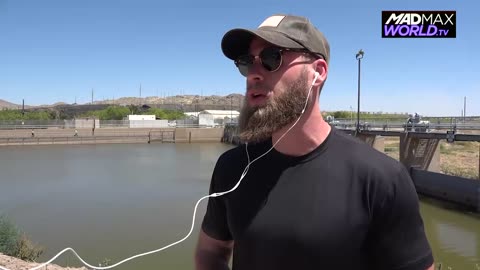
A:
(397, 240)
(215, 222)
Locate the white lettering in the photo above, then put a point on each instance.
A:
(449, 19)
(395, 18)
(427, 19)
(406, 19)
(438, 18)
(415, 18)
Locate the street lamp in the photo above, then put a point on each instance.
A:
(359, 57)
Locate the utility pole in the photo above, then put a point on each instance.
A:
(359, 56)
(464, 108)
(92, 96)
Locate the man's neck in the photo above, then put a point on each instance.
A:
(310, 131)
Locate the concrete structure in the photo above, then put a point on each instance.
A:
(421, 153)
(111, 135)
(377, 142)
(191, 135)
(145, 121)
(148, 124)
(465, 192)
(217, 117)
(86, 123)
(141, 117)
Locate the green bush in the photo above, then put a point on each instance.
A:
(8, 114)
(165, 114)
(110, 113)
(8, 236)
(15, 243)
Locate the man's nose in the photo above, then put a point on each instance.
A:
(255, 71)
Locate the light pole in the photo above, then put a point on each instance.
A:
(359, 57)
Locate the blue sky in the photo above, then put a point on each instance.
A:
(52, 51)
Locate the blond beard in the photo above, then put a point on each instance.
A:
(257, 124)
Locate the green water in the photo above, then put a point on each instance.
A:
(115, 201)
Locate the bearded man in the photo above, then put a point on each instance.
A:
(297, 193)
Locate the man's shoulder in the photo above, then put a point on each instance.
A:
(357, 148)
(232, 155)
(363, 157)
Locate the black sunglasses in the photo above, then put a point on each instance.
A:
(270, 58)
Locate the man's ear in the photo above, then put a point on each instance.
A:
(321, 67)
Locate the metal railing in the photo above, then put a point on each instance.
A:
(426, 124)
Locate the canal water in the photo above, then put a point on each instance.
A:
(114, 201)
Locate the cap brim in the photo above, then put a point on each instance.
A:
(236, 42)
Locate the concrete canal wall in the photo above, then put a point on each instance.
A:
(109, 135)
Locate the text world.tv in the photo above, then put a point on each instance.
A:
(419, 24)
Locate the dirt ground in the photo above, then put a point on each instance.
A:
(16, 264)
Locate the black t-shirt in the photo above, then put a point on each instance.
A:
(342, 206)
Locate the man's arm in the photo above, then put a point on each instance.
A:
(397, 236)
(212, 254)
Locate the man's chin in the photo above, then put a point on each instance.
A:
(253, 137)
(258, 103)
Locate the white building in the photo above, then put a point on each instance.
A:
(217, 117)
(141, 117)
(191, 114)
(146, 121)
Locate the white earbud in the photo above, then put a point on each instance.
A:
(316, 76)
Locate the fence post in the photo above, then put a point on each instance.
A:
(189, 137)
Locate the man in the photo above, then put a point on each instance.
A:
(318, 198)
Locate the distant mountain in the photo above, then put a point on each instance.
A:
(7, 105)
(233, 100)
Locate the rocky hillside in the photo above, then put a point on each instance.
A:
(7, 105)
(234, 100)
(185, 103)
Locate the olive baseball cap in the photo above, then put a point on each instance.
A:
(286, 31)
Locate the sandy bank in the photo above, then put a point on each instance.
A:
(17, 264)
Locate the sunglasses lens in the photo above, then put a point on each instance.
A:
(243, 63)
(243, 69)
(271, 58)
